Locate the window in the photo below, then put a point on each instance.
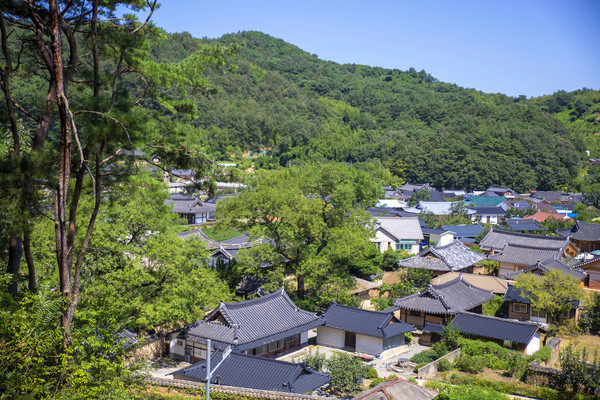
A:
(520, 307)
(537, 313)
(272, 346)
(566, 314)
(378, 245)
(415, 313)
(179, 343)
(403, 246)
(281, 344)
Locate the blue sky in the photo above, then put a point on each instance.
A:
(528, 47)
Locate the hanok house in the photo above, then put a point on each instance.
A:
(486, 282)
(264, 326)
(363, 331)
(585, 235)
(253, 372)
(520, 336)
(591, 265)
(192, 209)
(437, 303)
(398, 234)
(398, 389)
(541, 267)
(519, 307)
(496, 239)
(441, 259)
(515, 258)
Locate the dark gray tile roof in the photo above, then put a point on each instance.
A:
(365, 322)
(542, 267)
(514, 294)
(548, 196)
(388, 212)
(522, 224)
(433, 328)
(584, 231)
(494, 327)
(211, 244)
(127, 338)
(252, 323)
(183, 204)
(496, 240)
(487, 210)
(447, 298)
(464, 231)
(524, 255)
(451, 257)
(254, 372)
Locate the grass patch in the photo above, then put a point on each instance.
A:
(219, 234)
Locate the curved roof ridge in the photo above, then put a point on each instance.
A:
(530, 235)
(257, 300)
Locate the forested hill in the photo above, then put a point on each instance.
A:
(299, 107)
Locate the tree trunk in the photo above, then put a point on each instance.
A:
(15, 252)
(300, 290)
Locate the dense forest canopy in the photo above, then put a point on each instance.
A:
(301, 108)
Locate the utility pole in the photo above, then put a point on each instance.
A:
(209, 373)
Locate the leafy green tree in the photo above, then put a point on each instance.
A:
(345, 371)
(554, 292)
(590, 317)
(419, 195)
(576, 374)
(430, 219)
(314, 228)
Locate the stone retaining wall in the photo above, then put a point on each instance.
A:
(259, 394)
(540, 376)
(148, 351)
(431, 368)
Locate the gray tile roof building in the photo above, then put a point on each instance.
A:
(448, 298)
(454, 256)
(487, 210)
(398, 389)
(252, 323)
(541, 268)
(514, 294)
(462, 232)
(365, 322)
(524, 255)
(522, 224)
(583, 231)
(494, 327)
(497, 239)
(255, 372)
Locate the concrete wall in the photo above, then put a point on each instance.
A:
(431, 368)
(368, 344)
(331, 337)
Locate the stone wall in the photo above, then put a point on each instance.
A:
(154, 348)
(554, 345)
(431, 368)
(540, 376)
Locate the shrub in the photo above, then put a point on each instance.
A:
(408, 337)
(377, 381)
(444, 365)
(441, 349)
(471, 364)
(542, 354)
(517, 365)
(371, 373)
(495, 306)
(590, 317)
(316, 361)
(345, 371)
(426, 356)
(419, 365)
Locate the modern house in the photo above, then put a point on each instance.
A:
(484, 201)
(441, 259)
(521, 336)
(519, 307)
(437, 236)
(398, 234)
(436, 207)
(435, 304)
(264, 326)
(487, 214)
(247, 371)
(192, 209)
(498, 191)
(464, 233)
(363, 331)
(524, 225)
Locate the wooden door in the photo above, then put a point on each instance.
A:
(350, 341)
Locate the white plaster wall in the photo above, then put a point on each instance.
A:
(174, 348)
(533, 345)
(369, 344)
(304, 337)
(415, 249)
(445, 239)
(331, 337)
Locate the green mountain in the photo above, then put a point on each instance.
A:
(301, 108)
